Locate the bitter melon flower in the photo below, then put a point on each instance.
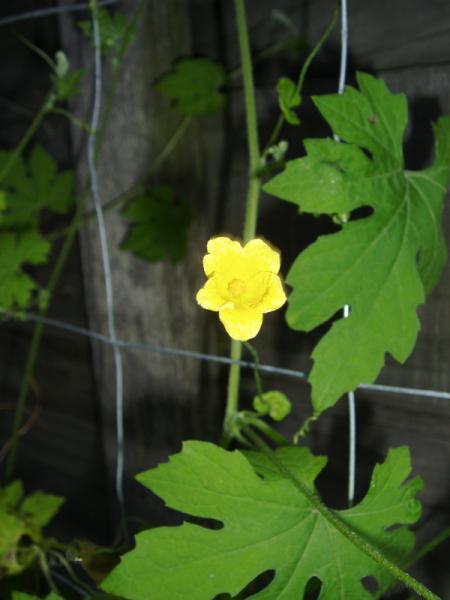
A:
(243, 284)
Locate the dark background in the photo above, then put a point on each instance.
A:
(70, 450)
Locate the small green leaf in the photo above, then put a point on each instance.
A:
(274, 403)
(42, 507)
(159, 225)
(381, 265)
(22, 523)
(11, 495)
(194, 85)
(11, 531)
(66, 82)
(288, 98)
(16, 251)
(267, 525)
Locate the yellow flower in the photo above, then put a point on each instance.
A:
(243, 284)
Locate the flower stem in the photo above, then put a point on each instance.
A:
(337, 523)
(251, 211)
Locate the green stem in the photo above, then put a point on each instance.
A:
(302, 76)
(271, 50)
(38, 118)
(251, 211)
(337, 523)
(430, 546)
(271, 433)
(46, 571)
(232, 406)
(254, 353)
(72, 118)
(249, 86)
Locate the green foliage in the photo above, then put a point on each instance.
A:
(288, 98)
(66, 83)
(273, 403)
(16, 286)
(27, 189)
(22, 519)
(381, 265)
(194, 85)
(267, 525)
(159, 225)
(113, 28)
(33, 186)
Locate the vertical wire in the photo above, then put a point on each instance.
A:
(106, 263)
(351, 395)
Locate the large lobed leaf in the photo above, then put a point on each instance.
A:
(381, 265)
(267, 525)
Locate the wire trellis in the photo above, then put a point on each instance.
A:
(351, 395)
(55, 10)
(106, 263)
(224, 360)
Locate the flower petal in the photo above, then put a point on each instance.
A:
(220, 249)
(209, 296)
(264, 292)
(274, 297)
(264, 255)
(241, 323)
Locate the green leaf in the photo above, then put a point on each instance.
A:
(16, 286)
(24, 522)
(42, 507)
(194, 85)
(273, 403)
(66, 82)
(31, 187)
(159, 225)
(267, 525)
(381, 265)
(288, 98)
(11, 495)
(11, 531)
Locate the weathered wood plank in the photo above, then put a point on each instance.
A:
(153, 302)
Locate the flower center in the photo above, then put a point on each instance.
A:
(236, 287)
